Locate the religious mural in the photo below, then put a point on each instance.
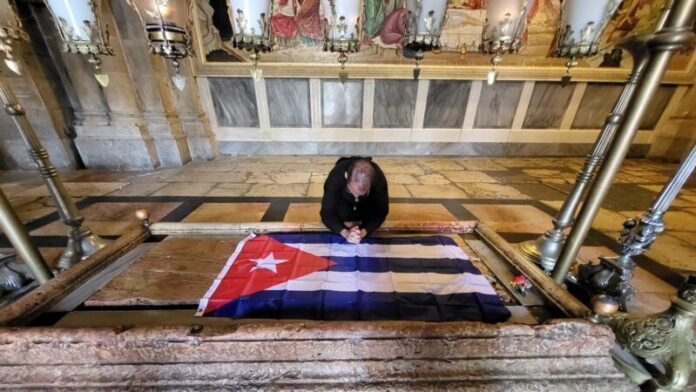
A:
(297, 27)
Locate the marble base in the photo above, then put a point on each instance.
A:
(173, 152)
(123, 153)
(390, 149)
(202, 143)
(14, 154)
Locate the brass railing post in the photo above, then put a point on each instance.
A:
(81, 242)
(675, 35)
(546, 249)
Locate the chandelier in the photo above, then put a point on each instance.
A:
(580, 29)
(167, 24)
(251, 22)
(11, 31)
(342, 30)
(506, 23)
(424, 25)
(80, 28)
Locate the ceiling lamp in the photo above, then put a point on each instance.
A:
(425, 21)
(11, 31)
(251, 22)
(80, 28)
(341, 30)
(167, 24)
(506, 22)
(580, 29)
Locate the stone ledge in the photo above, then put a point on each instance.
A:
(568, 355)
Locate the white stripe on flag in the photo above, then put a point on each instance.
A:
(411, 251)
(387, 282)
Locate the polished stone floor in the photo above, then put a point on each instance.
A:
(516, 196)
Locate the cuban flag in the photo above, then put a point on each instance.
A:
(322, 277)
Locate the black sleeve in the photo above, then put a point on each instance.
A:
(329, 202)
(379, 206)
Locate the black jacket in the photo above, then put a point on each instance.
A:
(338, 205)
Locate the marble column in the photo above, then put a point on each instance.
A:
(46, 110)
(110, 127)
(152, 87)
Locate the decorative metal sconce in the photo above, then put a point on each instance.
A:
(342, 30)
(80, 28)
(581, 27)
(167, 25)
(251, 21)
(506, 22)
(425, 21)
(11, 31)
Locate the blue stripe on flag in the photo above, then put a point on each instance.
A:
(384, 264)
(359, 305)
(329, 238)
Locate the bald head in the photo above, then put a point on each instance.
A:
(360, 175)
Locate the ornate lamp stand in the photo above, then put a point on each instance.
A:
(613, 275)
(676, 34)
(546, 249)
(81, 242)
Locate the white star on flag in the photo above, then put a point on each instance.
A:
(269, 262)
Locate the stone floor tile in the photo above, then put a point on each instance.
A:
(469, 176)
(110, 219)
(161, 175)
(285, 190)
(258, 178)
(687, 236)
(320, 178)
(673, 253)
(680, 221)
(511, 177)
(433, 179)
(440, 164)
(608, 221)
(435, 191)
(12, 189)
(78, 189)
(315, 190)
(103, 176)
(492, 191)
(410, 168)
(511, 218)
(291, 178)
(185, 189)
(540, 191)
(303, 213)
(416, 212)
(397, 190)
(228, 213)
(229, 189)
(403, 179)
(207, 176)
(139, 189)
(481, 164)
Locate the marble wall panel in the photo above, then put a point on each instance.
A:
(342, 103)
(446, 105)
(288, 103)
(234, 101)
(498, 104)
(548, 105)
(657, 107)
(395, 102)
(597, 102)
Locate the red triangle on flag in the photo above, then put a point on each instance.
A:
(261, 263)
